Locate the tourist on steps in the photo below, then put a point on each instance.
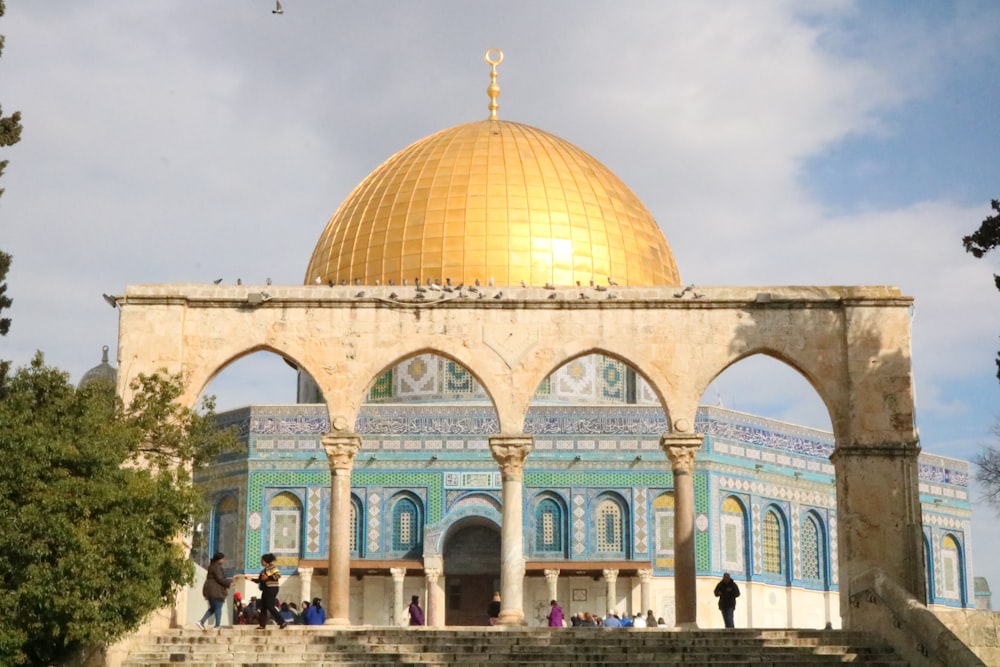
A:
(493, 610)
(215, 590)
(727, 591)
(416, 613)
(555, 615)
(268, 581)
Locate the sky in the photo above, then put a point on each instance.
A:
(776, 143)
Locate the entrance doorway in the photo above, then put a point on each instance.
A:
(472, 574)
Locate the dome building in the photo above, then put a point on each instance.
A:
(458, 215)
(500, 380)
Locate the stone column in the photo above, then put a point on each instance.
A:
(340, 451)
(681, 451)
(398, 576)
(510, 451)
(610, 579)
(305, 583)
(645, 590)
(879, 522)
(435, 597)
(552, 579)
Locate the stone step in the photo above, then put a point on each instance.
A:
(475, 647)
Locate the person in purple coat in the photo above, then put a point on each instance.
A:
(555, 615)
(416, 613)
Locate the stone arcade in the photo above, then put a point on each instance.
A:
(532, 255)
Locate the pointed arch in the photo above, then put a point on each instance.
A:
(952, 579)
(609, 529)
(774, 544)
(663, 530)
(549, 527)
(225, 527)
(197, 380)
(284, 527)
(813, 550)
(406, 529)
(734, 535)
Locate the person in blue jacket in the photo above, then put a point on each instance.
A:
(315, 614)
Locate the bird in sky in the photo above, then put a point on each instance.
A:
(277, 8)
(217, 281)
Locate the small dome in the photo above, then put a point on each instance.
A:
(103, 371)
(493, 199)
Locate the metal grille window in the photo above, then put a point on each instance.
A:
(772, 544)
(405, 527)
(609, 527)
(810, 547)
(548, 526)
(285, 525)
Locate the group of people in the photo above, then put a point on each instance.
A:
(613, 619)
(257, 610)
(216, 590)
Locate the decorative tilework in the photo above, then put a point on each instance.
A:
(313, 520)
(702, 539)
(579, 524)
(640, 520)
(374, 535)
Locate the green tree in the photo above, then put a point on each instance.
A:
(980, 243)
(94, 494)
(10, 133)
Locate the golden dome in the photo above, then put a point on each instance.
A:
(493, 199)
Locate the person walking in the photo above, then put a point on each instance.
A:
(727, 591)
(268, 580)
(215, 590)
(416, 613)
(555, 615)
(493, 610)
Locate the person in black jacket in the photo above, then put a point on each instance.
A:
(727, 591)
(493, 610)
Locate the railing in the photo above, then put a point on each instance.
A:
(881, 606)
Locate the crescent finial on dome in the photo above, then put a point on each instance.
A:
(493, 58)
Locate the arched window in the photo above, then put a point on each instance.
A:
(951, 569)
(285, 519)
(225, 531)
(549, 534)
(406, 527)
(663, 524)
(610, 526)
(772, 543)
(812, 551)
(733, 528)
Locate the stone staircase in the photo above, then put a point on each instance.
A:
(535, 647)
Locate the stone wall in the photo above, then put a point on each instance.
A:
(979, 630)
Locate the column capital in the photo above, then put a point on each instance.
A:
(610, 576)
(510, 451)
(645, 576)
(398, 573)
(681, 450)
(305, 573)
(551, 575)
(432, 574)
(341, 449)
